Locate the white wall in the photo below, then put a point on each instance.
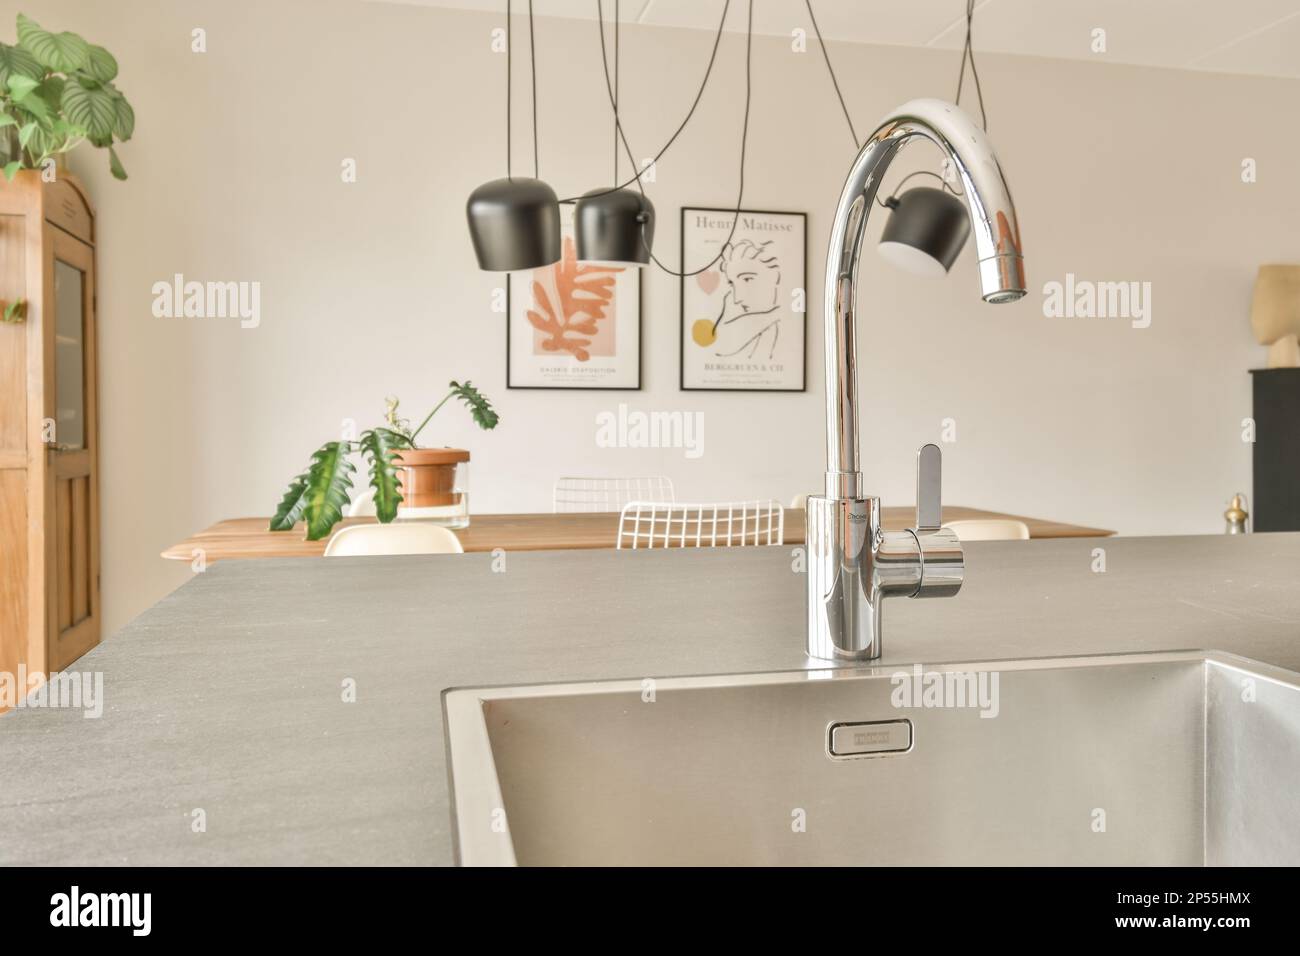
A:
(369, 289)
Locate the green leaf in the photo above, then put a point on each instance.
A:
(51, 91)
(16, 60)
(292, 505)
(16, 311)
(25, 133)
(329, 480)
(20, 86)
(61, 52)
(25, 94)
(11, 170)
(91, 109)
(102, 66)
(480, 408)
(124, 116)
(7, 120)
(379, 446)
(115, 165)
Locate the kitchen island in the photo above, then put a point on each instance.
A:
(231, 696)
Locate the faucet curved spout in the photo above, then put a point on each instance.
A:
(853, 564)
(997, 244)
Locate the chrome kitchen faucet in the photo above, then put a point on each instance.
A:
(853, 563)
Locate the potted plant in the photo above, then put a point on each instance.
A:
(399, 469)
(56, 91)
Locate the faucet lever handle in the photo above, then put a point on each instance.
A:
(929, 485)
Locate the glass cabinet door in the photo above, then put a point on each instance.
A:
(69, 357)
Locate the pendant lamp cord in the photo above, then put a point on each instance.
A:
(744, 134)
(532, 62)
(831, 70)
(968, 51)
(616, 123)
(636, 173)
(509, 54)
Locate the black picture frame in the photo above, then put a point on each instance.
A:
(640, 346)
(681, 301)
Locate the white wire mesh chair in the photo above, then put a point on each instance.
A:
(723, 524)
(609, 494)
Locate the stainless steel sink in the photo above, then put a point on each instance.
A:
(1155, 759)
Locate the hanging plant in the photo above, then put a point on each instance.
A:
(56, 92)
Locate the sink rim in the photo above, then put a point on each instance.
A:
(471, 766)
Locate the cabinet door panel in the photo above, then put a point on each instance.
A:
(72, 480)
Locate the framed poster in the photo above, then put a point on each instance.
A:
(574, 324)
(744, 319)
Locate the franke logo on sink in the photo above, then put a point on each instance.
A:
(869, 738)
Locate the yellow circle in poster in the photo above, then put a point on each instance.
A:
(702, 332)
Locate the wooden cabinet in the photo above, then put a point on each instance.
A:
(49, 436)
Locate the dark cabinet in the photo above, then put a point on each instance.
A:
(1276, 453)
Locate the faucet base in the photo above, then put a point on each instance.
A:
(853, 565)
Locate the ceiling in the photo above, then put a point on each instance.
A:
(1260, 37)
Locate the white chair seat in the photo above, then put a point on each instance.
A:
(363, 506)
(411, 537)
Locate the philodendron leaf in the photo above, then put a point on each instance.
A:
(93, 109)
(25, 133)
(292, 505)
(329, 481)
(102, 66)
(11, 170)
(480, 408)
(115, 165)
(16, 60)
(379, 444)
(7, 120)
(61, 52)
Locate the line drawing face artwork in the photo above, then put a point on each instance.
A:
(750, 318)
(743, 322)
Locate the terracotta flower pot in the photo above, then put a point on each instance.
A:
(429, 476)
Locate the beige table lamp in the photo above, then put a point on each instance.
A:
(1275, 314)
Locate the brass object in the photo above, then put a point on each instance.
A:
(1237, 517)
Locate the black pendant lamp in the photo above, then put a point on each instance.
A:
(514, 222)
(925, 231)
(614, 225)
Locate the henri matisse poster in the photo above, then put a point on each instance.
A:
(743, 319)
(574, 324)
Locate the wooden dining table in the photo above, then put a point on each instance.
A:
(249, 537)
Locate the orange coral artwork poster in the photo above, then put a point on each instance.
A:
(575, 324)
